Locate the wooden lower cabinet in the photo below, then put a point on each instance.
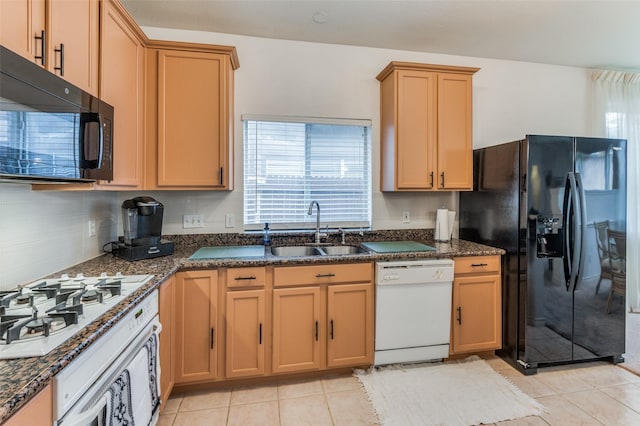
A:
(166, 309)
(196, 326)
(245, 333)
(296, 329)
(325, 325)
(38, 411)
(476, 322)
(350, 320)
(236, 323)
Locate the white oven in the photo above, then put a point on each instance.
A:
(117, 378)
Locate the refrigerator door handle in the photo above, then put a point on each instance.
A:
(566, 233)
(581, 228)
(575, 230)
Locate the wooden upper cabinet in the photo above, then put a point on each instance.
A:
(416, 155)
(190, 116)
(72, 38)
(426, 124)
(122, 86)
(455, 144)
(22, 24)
(60, 35)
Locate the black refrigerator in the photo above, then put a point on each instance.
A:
(539, 198)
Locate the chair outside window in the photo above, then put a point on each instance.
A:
(617, 244)
(603, 251)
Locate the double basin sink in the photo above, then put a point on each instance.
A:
(316, 250)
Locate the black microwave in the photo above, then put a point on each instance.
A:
(51, 130)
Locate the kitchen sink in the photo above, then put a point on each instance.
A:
(316, 250)
(340, 250)
(296, 251)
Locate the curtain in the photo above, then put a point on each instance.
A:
(617, 115)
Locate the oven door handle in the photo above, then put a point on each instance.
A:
(89, 416)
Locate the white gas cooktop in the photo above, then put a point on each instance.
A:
(38, 317)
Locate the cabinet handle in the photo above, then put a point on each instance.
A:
(61, 67)
(431, 175)
(325, 275)
(442, 180)
(475, 265)
(43, 48)
(244, 278)
(212, 338)
(459, 309)
(316, 331)
(221, 175)
(331, 332)
(260, 333)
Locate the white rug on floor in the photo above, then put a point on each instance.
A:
(467, 392)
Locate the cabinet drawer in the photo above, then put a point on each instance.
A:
(246, 277)
(322, 274)
(476, 264)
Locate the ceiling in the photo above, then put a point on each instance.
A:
(590, 34)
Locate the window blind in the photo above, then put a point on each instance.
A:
(288, 164)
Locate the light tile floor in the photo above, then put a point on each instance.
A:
(586, 394)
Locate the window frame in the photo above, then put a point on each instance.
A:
(310, 224)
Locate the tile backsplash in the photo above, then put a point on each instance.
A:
(45, 231)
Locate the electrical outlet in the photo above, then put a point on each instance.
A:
(92, 228)
(192, 221)
(229, 220)
(406, 218)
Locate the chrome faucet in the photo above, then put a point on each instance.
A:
(310, 212)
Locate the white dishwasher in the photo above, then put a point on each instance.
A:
(413, 310)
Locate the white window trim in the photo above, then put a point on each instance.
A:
(313, 120)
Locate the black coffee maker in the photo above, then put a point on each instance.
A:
(142, 226)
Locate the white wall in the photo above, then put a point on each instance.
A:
(41, 233)
(283, 77)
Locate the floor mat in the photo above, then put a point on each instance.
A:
(467, 392)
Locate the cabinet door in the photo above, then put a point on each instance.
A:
(122, 86)
(350, 325)
(297, 331)
(477, 320)
(21, 21)
(246, 333)
(416, 130)
(166, 308)
(193, 131)
(73, 28)
(38, 411)
(455, 149)
(196, 321)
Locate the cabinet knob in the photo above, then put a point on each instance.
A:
(459, 319)
(442, 179)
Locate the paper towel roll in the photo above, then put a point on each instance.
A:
(442, 225)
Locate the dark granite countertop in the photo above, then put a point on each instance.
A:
(24, 377)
